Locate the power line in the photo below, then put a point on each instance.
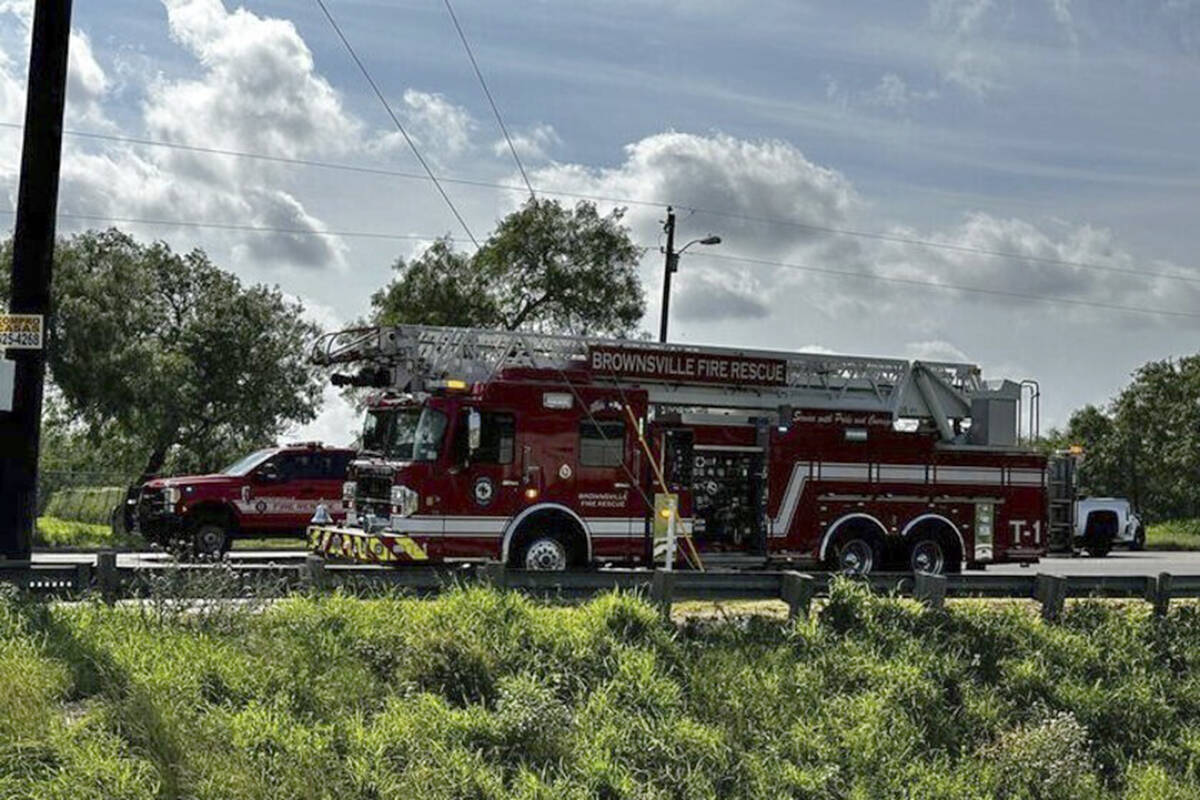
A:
(961, 248)
(697, 254)
(411, 144)
(333, 165)
(231, 226)
(500, 120)
(950, 286)
(626, 201)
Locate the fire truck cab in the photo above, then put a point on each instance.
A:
(555, 452)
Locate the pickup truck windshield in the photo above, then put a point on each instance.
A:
(244, 465)
(391, 432)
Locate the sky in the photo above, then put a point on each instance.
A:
(1048, 148)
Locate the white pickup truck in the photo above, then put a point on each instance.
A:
(1104, 522)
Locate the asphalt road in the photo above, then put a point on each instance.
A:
(1119, 562)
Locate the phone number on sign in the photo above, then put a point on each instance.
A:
(20, 339)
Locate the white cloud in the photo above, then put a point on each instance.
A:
(895, 94)
(967, 58)
(759, 181)
(442, 128)
(1061, 10)
(534, 144)
(934, 350)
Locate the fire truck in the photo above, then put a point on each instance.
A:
(552, 452)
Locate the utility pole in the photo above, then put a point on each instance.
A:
(32, 257)
(669, 266)
(672, 265)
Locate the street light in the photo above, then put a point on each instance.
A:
(672, 265)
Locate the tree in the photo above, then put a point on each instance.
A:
(172, 352)
(546, 267)
(1146, 445)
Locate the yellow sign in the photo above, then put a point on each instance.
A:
(21, 331)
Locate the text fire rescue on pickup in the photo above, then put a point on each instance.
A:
(554, 452)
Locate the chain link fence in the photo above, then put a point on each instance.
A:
(83, 509)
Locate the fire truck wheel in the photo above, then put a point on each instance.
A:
(544, 553)
(210, 539)
(927, 556)
(855, 556)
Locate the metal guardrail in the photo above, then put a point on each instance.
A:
(111, 582)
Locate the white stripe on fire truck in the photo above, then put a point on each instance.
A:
(1027, 477)
(791, 498)
(803, 471)
(968, 475)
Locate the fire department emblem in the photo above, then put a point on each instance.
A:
(484, 490)
(261, 506)
(564, 471)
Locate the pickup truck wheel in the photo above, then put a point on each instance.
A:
(545, 554)
(1139, 539)
(210, 539)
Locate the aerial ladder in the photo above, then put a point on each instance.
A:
(414, 358)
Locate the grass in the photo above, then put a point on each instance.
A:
(55, 532)
(91, 504)
(1183, 534)
(478, 694)
(270, 543)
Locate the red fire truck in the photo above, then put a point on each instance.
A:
(551, 452)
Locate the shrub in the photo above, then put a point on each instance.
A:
(483, 694)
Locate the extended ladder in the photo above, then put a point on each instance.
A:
(416, 355)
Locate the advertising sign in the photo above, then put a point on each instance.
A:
(21, 331)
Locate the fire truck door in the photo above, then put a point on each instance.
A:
(484, 481)
(606, 484)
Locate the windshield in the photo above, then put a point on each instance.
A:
(244, 465)
(430, 429)
(391, 431)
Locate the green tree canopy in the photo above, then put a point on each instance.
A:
(546, 267)
(171, 352)
(1146, 445)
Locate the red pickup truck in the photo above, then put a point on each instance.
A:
(271, 492)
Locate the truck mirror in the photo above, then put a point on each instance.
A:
(474, 430)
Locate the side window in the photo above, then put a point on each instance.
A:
(601, 444)
(338, 462)
(290, 466)
(497, 438)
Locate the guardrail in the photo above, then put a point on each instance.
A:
(111, 582)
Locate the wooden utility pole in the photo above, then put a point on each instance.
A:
(32, 257)
(669, 266)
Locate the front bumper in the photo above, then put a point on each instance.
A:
(158, 526)
(357, 545)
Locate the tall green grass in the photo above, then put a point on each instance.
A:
(1179, 534)
(90, 504)
(55, 532)
(479, 694)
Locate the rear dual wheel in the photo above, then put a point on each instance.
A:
(927, 556)
(855, 556)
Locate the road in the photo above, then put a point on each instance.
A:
(1117, 563)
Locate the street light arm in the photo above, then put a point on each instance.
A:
(705, 240)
